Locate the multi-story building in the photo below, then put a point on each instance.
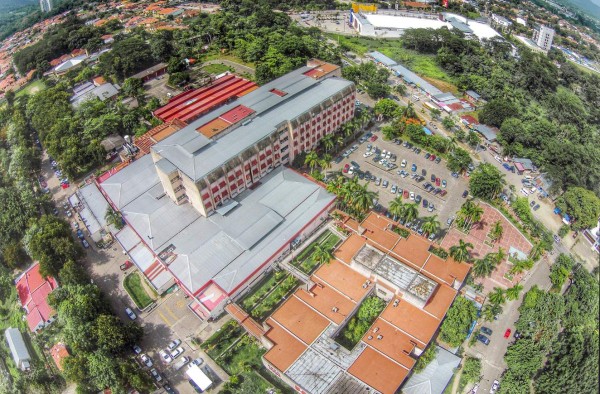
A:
(543, 36)
(46, 5)
(211, 207)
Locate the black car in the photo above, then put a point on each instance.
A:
(517, 334)
(338, 159)
(409, 145)
(427, 155)
(483, 339)
(423, 172)
(537, 206)
(486, 331)
(432, 177)
(425, 204)
(465, 194)
(418, 151)
(418, 198)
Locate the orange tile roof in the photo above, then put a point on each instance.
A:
(286, 349)
(167, 11)
(343, 278)
(394, 343)
(59, 352)
(446, 270)
(376, 227)
(213, 127)
(412, 320)
(245, 320)
(413, 251)
(349, 248)
(378, 371)
(159, 133)
(440, 301)
(321, 69)
(324, 299)
(300, 320)
(99, 81)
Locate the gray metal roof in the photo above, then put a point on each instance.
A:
(460, 25)
(102, 92)
(17, 345)
(226, 249)
(527, 163)
(197, 156)
(381, 58)
(95, 206)
(414, 79)
(473, 94)
(435, 377)
(488, 132)
(149, 71)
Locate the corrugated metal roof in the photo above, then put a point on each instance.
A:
(381, 58)
(435, 377)
(414, 79)
(17, 345)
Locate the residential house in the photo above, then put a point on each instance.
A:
(33, 291)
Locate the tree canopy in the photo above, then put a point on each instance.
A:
(458, 320)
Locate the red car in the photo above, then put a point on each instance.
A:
(126, 265)
(432, 158)
(507, 333)
(346, 168)
(443, 193)
(406, 194)
(374, 138)
(437, 181)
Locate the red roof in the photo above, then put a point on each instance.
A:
(59, 352)
(519, 166)
(469, 119)
(192, 104)
(33, 292)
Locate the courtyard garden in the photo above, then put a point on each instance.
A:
(135, 288)
(356, 328)
(318, 252)
(239, 355)
(268, 294)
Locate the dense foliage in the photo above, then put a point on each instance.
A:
(544, 112)
(457, 322)
(486, 182)
(360, 323)
(369, 76)
(582, 205)
(563, 328)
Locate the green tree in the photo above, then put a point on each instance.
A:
(430, 224)
(448, 123)
(115, 337)
(560, 271)
(497, 296)
(486, 181)
(456, 325)
(370, 309)
(396, 207)
(321, 255)
(386, 107)
(312, 160)
(72, 273)
(459, 160)
(461, 252)
(512, 293)
(471, 371)
(425, 358)
(496, 111)
(483, 267)
(410, 212)
(496, 231)
(582, 205)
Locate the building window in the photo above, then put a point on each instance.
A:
(181, 197)
(178, 188)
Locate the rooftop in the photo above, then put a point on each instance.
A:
(197, 155)
(33, 292)
(227, 248)
(435, 377)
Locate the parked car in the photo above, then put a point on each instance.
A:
(403, 164)
(454, 175)
(146, 360)
(432, 158)
(198, 361)
(165, 356)
(137, 349)
(373, 138)
(465, 194)
(537, 206)
(433, 177)
(438, 160)
(346, 168)
(385, 183)
(79, 234)
(506, 166)
(437, 181)
(443, 193)
(406, 194)
(486, 330)
(427, 155)
(85, 243)
(174, 344)
(355, 164)
(444, 183)
(155, 375)
(507, 333)
(495, 387)
(130, 313)
(181, 363)
(431, 207)
(413, 168)
(418, 198)
(168, 389)
(423, 172)
(425, 204)
(394, 189)
(412, 195)
(176, 352)
(483, 339)
(126, 265)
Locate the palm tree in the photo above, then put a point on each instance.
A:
(409, 111)
(312, 159)
(499, 256)
(396, 207)
(325, 161)
(536, 251)
(513, 292)
(321, 255)
(334, 185)
(520, 266)
(327, 142)
(496, 231)
(475, 213)
(460, 252)
(496, 297)
(348, 128)
(362, 197)
(410, 212)
(490, 311)
(483, 267)
(430, 224)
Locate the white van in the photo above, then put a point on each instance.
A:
(181, 363)
(415, 97)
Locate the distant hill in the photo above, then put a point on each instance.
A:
(10, 5)
(589, 7)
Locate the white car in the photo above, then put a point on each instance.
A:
(403, 164)
(412, 195)
(165, 357)
(474, 389)
(174, 344)
(176, 353)
(130, 313)
(393, 189)
(197, 361)
(388, 155)
(368, 154)
(146, 360)
(137, 349)
(155, 374)
(495, 386)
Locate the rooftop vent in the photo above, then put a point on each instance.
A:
(379, 336)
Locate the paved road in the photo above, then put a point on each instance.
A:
(492, 356)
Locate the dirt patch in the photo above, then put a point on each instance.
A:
(442, 85)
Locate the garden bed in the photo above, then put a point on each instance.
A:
(356, 328)
(267, 296)
(222, 339)
(135, 288)
(305, 262)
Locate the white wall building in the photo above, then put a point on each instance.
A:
(543, 36)
(46, 5)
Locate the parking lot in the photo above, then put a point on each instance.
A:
(158, 88)
(443, 206)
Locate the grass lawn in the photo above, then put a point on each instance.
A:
(231, 58)
(424, 65)
(31, 88)
(135, 289)
(216, 69)
(304, 261)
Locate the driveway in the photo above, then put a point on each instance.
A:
(158, 88)
(445, 207)
(492, 356)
